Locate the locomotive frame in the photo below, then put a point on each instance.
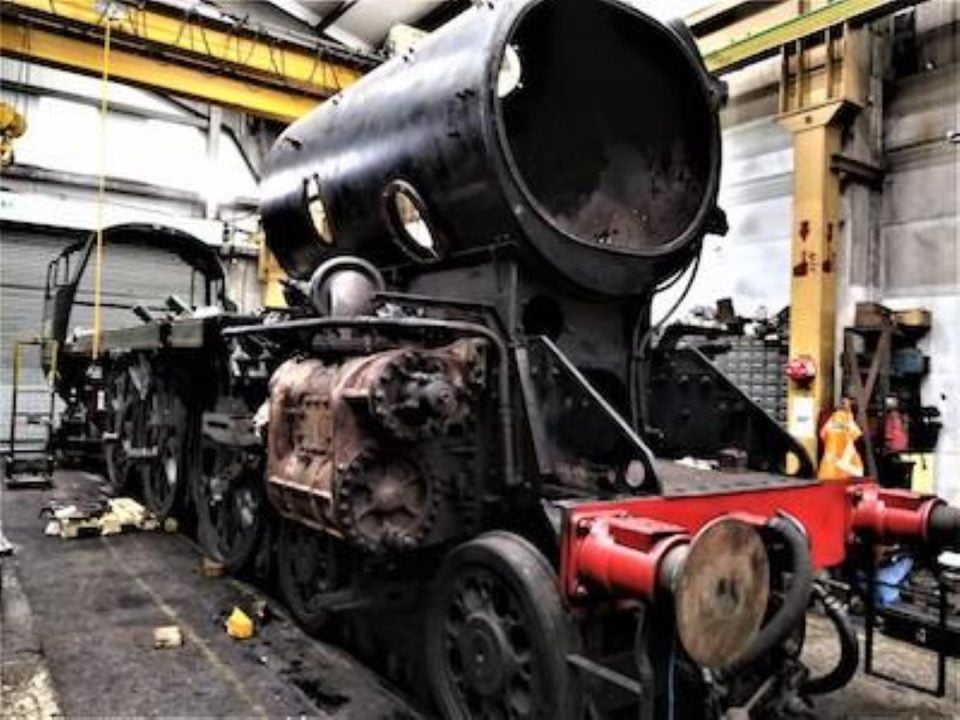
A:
(462, 419)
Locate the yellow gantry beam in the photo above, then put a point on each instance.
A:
(750, 43)
(233, 66)
(49, 48)
(181, 55)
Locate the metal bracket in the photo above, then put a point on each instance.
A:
(849, 169)
(604, 673)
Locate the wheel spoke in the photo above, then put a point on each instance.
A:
(226, 527)
(307, 572)
(410, 508)
(365, 510)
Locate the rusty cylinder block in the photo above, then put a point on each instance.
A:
(342, 442)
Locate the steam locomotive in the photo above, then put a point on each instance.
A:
(464, 417)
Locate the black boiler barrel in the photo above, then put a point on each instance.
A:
(582, 131)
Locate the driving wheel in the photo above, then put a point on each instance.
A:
(126, 423)
(310, 566)
(163, 479)
(497, 634)
(121, 470)
(230, 505)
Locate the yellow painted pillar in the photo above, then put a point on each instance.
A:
(813, 285)
(822, 86)
(270, 275)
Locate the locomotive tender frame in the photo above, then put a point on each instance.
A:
(461, 419)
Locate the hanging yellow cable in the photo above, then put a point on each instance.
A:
(102, 186)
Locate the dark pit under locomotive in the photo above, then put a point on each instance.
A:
(460, 436)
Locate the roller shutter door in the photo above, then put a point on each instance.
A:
(130, 275)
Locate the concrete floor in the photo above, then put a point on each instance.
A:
(79, 615)
(94, 605)
(870, 698)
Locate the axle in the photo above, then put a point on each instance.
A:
(890, 515)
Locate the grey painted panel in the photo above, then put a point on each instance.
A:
(920, 229)
(751, 264)
(937, 32)
(760, 222)
(920, 201)
(922, 108)
(921, 255)
(923, 188)
(754, 138)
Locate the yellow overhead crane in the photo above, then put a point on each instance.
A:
(735, 33)
(224, 63)
(12, 126)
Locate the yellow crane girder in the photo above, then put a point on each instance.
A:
(181, 55)
(12, 126)
(777, 24)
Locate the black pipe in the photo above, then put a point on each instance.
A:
(795, 600)
(849, 660)
(943, 530)
(333, 15)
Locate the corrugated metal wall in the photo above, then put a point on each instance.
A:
(23, 262)
(130, 276)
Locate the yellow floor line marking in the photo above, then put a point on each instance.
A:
(215, 660)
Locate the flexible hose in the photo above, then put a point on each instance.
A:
(639, 347)
(795, 600)
(849, 660)
(645, 672)
(944, 528)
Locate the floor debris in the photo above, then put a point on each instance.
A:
(168, 636)
(91, 519)
(96, 611)
(211, 568)
(239, 625)
(260, 610)
(30, 697)
(26, 688)
(6, 547)
(27, 481)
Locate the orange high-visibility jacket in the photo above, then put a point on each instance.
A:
(840, 457)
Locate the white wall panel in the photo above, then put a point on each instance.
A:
(751, 264)
(920, 229)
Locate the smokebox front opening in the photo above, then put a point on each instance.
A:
(608, 125)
